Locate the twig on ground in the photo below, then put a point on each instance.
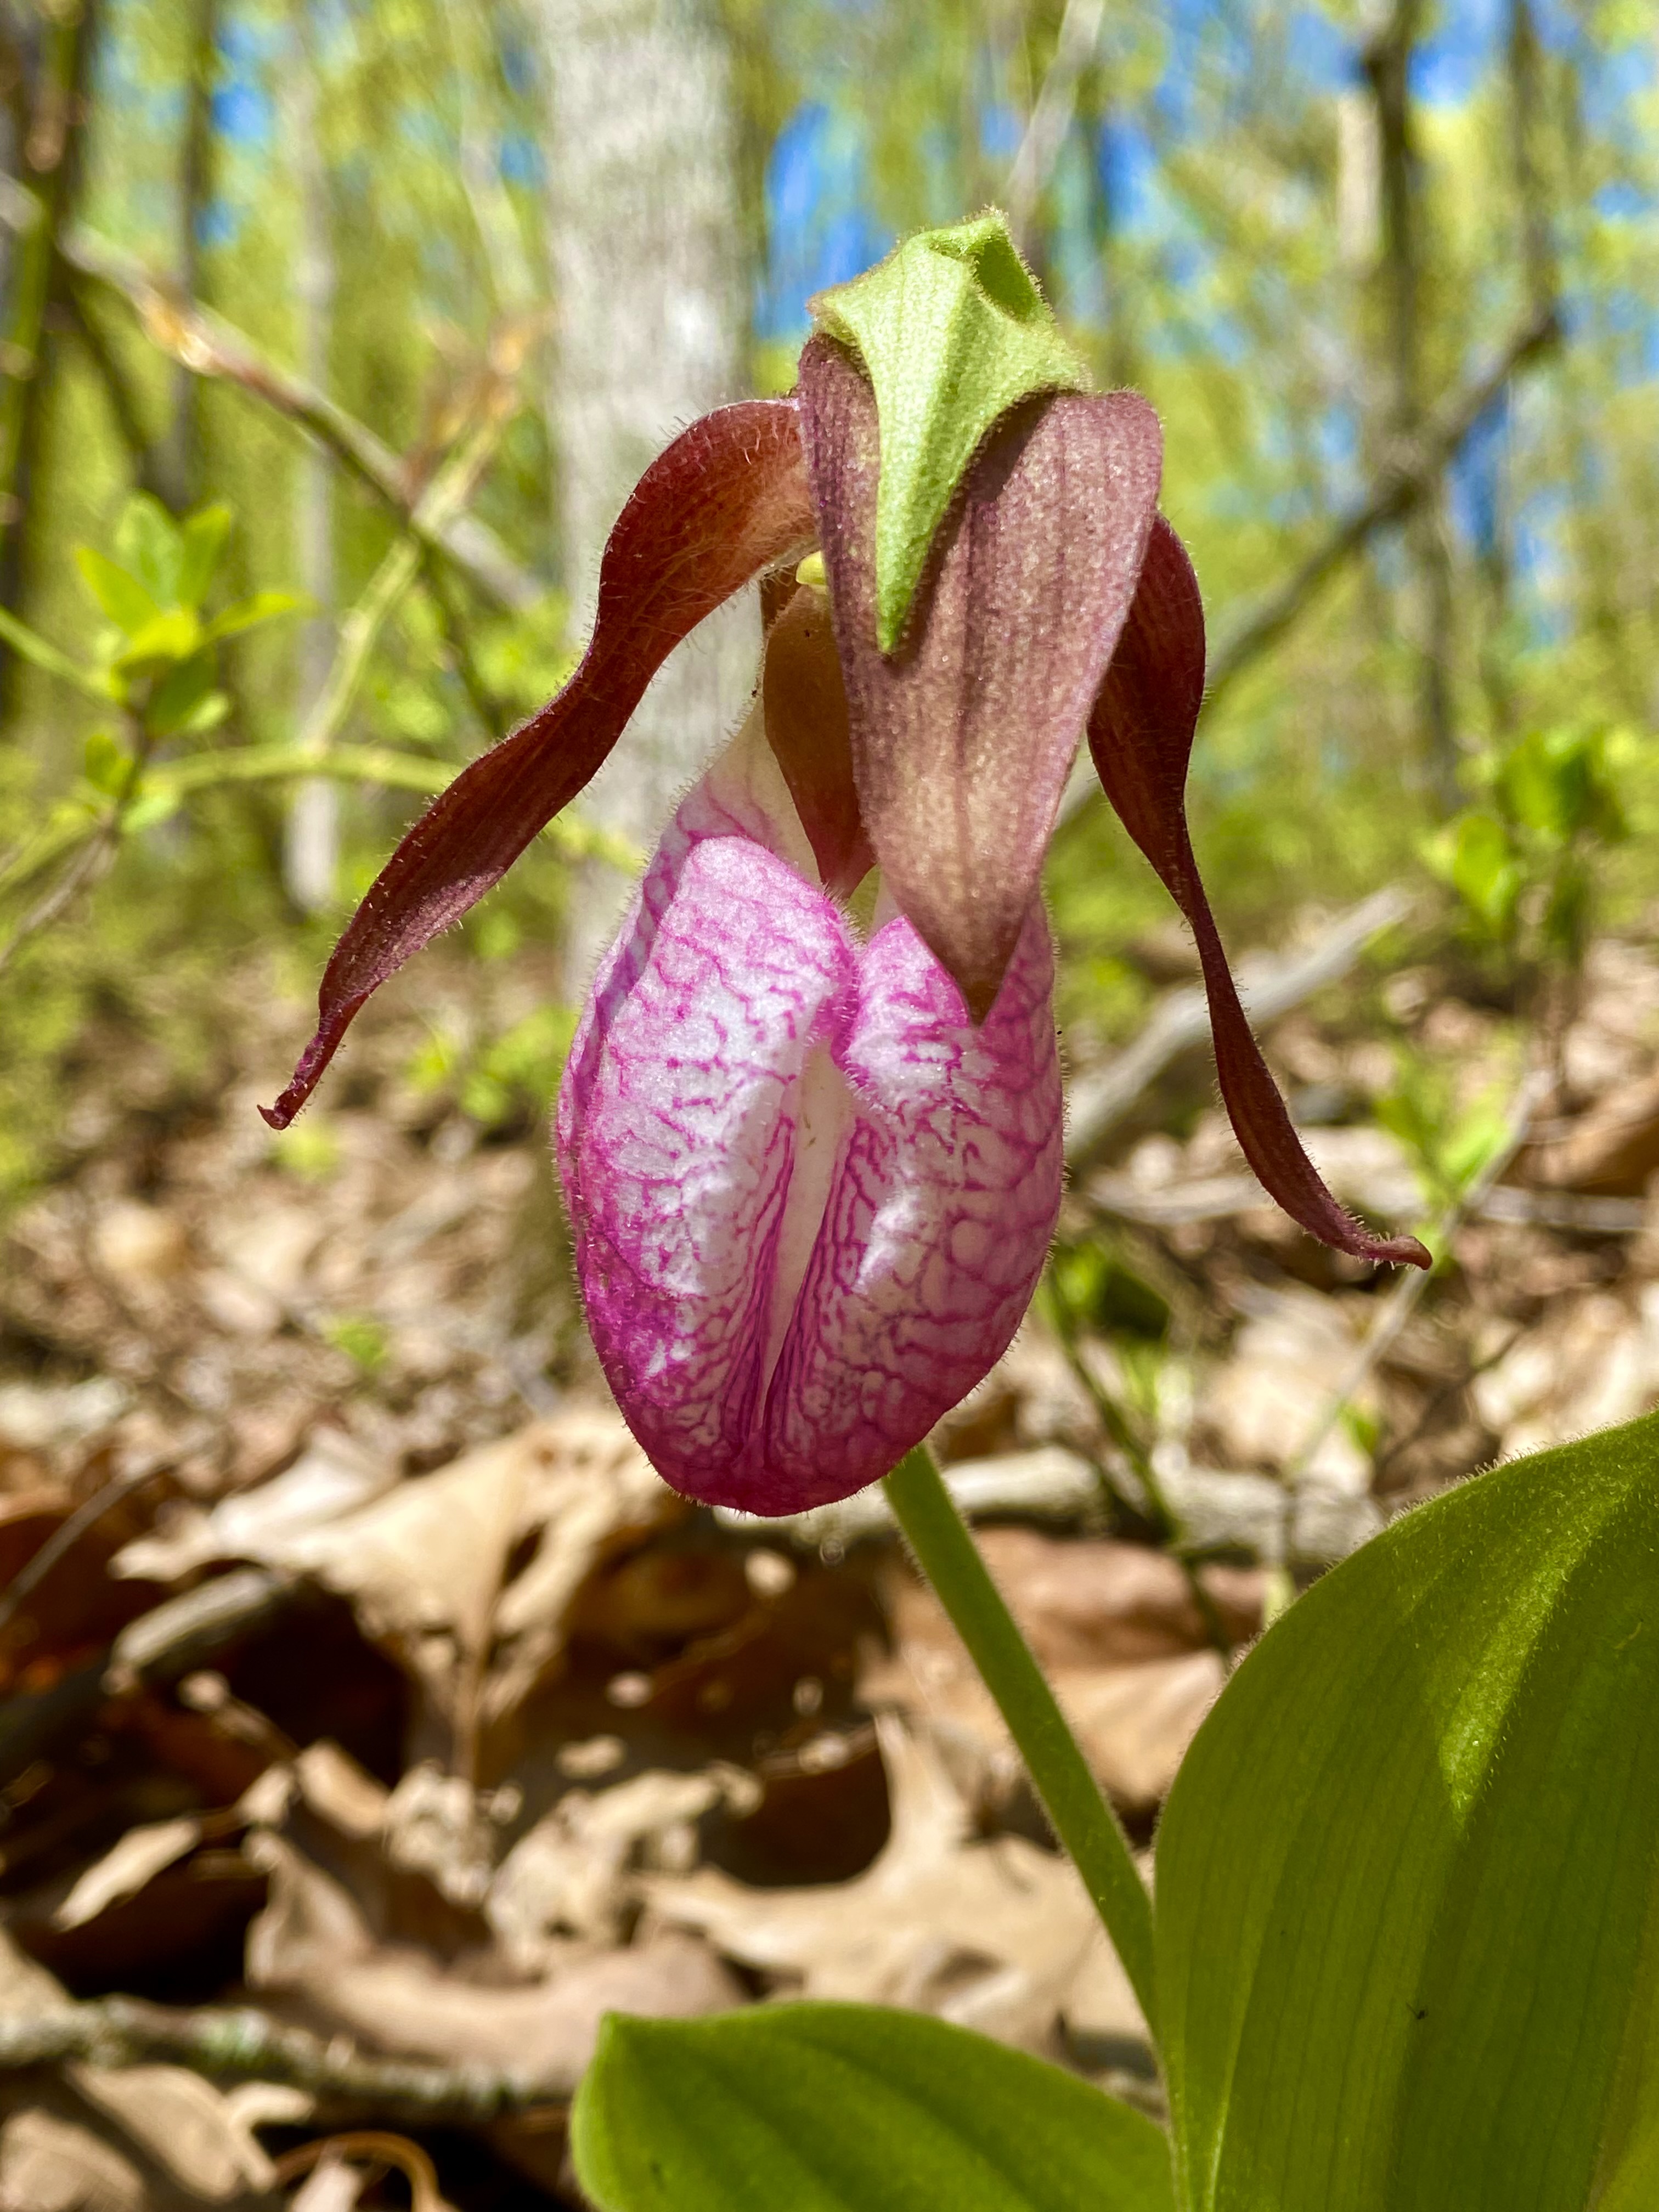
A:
(240, 2042)
(29, 1577)
(175, 1639)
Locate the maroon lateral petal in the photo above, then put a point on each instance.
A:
(963, 736)
(805, 704)
(726, 499)
(1141, 736)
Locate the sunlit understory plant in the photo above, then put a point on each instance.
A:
(812, 1173)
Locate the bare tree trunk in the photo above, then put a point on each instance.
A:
(1537, 255)
(182, 458)
(59, 71)
(644, 228)
(311, 847)
(1387, 66)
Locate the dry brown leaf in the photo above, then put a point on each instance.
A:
(1085, 1603)
(424, 1562)
(1135, 1723)
(1104, 2025)
(333, 1477)
(1294, 1351)
(990, 1935)
(569, 1874)
(1611, 1151)
(130, 1865)
(312, 1951)
(1080, 1603)
(50, 2163)
(1592, 1362)
(434, 1825)
(87, 2143)
(181, 2125)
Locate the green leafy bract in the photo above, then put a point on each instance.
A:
(952, 332)
(849, 2108)
(1408, 1877)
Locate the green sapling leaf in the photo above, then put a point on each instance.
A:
(952, 332)
(118, 593)
(203, 541)
(148, 543)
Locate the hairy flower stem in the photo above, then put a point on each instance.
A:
(1084, 1821)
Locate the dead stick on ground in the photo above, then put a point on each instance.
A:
(63, 1540)
(241, 2043)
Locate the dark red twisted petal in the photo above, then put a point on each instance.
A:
(962, 738)
(726, 499)
(1141, 736)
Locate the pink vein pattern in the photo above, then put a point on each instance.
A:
(811, 1199)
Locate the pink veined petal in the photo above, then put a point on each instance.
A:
(811, 1199)
(726, 500)
(1141, 736)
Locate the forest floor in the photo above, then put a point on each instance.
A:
(359, 1673)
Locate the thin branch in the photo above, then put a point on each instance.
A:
(1270, 985)
(442, 501)
(240, 2042)
(1398, 491)
(209, 346)
(64, 1539)
(1051, 114)
(94, 858)
(141, 451)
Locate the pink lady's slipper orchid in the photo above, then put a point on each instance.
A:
(813, 1173)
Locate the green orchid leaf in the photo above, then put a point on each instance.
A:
(952, 332)
(119, 594)
(202, 542)
(44, 654)
(247, 614)
(849, 2108)
(1408, 1877)
(148, 543)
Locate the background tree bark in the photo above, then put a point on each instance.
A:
(56, 66)
(311, 846)
(645, 243)
(1387, 66)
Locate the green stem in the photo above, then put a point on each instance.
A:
(1083, 1820)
